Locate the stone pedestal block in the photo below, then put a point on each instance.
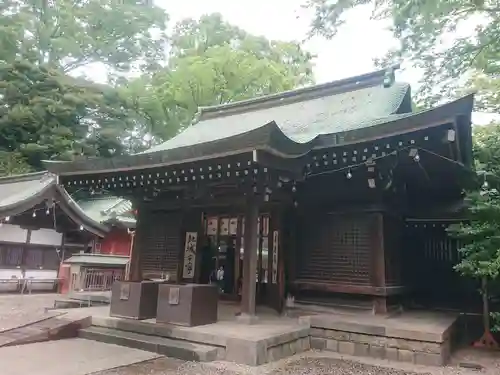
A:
(187, 305)
(134, 299)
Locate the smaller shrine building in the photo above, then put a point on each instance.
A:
(43, 226)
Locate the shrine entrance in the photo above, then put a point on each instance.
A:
(224, 251)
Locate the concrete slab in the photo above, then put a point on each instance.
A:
(67, 357)
(271, 338)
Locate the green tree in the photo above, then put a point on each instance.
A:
(195, 37)
(448, 39)
(69, 34)
(46, 114)
(13, 163)
(480, 233)
(213, 62)
(480, 252)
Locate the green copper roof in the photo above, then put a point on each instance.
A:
(107, 209)
(300, 116)
(21, 193)
(16, 189)
(290, 123)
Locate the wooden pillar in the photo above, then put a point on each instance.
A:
(249, 261)
(135, 273)
(128, 272)
(378, 264)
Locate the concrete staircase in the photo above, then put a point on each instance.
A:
(174, 348)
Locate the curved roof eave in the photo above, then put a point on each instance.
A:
(74, 211)
(400, 123)
(263, 137)
(40, 187)
(23, 205)
(268, 137)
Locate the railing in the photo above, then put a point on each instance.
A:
(95, 279)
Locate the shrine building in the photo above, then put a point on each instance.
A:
(335, 194)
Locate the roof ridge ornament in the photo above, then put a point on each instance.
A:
(197, 116)
(390, 76)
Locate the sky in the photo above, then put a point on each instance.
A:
(350, 53)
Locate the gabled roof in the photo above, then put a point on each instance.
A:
(291, 123)
(22, 193)
(109, 210)
(300, 114)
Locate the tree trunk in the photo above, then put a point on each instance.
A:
(487, 340)
(486, 307)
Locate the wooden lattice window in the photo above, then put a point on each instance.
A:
(337, 249)
(160, 245)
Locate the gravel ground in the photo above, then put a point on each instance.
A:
(17, 310)
(301, 366)
(313, 363)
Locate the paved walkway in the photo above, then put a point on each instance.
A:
(18, 310)
(67, 357)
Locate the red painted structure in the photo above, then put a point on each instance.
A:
(116, 242)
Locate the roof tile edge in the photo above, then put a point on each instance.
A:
(295, 95)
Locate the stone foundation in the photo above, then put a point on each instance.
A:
(265, 350)
(424, 348)
(416, 337)
(234, 342)
(288, 349)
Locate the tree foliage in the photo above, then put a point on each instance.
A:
(212, 62)
(13, 163)
(196, 37)
(68, 34)
(448, 39)
(479, 235)
(46, 114)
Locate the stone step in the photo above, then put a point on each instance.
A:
(103, 299)
(171, 348)
(54, 328)
(161, 330)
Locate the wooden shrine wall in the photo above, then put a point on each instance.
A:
(335, 249)
(429, 257)
(393, 247)
(159, 239)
